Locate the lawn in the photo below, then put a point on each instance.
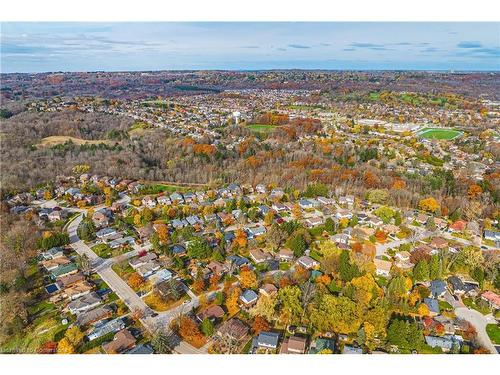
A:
(284, 266)
(494, 332)
(261, 128)
(102, 250)
(437, 133)
(157, 304)
(443, 305)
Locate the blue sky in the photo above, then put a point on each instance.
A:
(42, 47)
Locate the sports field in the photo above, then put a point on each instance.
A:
(438, 133)
(261, 128)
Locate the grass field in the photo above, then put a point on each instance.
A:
(261, 128)
(60, 139)
(437, 133)
(494, 332)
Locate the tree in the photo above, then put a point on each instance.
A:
(337, 314)
(160, 343)
(162, 231)
(199, 249)
(275, 236)
(207, 327)
(385, 213)
(330, 225)
(405, 334)
(232, 301)
(190, 332)
(135, 280)
(74, 336)
(365, 289)
(265, 307)
(260, 324)
(474, 191)
(248, 278)
(435, 267)
(269, 217)
(421, 271)
(429, 204)
(65, 347)
(297, 244)
(290, 303)
(347, 270)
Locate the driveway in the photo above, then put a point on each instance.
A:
(479, 321)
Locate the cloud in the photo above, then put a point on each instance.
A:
(469, 44)
(250, 47)
(298, 46)
(325, 44)
(366, 45)
(349, 49)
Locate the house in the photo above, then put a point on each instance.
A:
(305, 204)
(84, 303)
(122, 341)
(100, 219)
(293, 345)
(261, 189)
(234, 329)
(52, 253)
(321, 345)
(460, 287)
(249, 297)
(178, 249)
(106, 234)
(363, 233)
(256, 231)
(163, 200)
(259, 256)
(94, 315)
(403, 260)
(285, 255)
(77, 290)
(458, 226)
(140, 261)
(433, 306)
(343, 214)
(114, 325)
(314, 221)
(492, 298)
(340, 238)
(325, 201)
(161, 275)
(438, 288)
(438, 243)
(446, 342)
(177, 197)
(64, 270)
(57, 215)
(375, 221)
(307, 262)
(267, 340)
(268, 290)
(279, 207)
(170, 289)
(146, 231)
(148, 269)
(68, 280)
(237, 261)
(421, 219)
(492, 236)
(351, 350)
(122, 242)
(149, 201)
(383, 267)
(210, 312)
(217, 268)
(141, 349)
(52, 264)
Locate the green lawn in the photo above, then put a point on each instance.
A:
(261, 128)
(102, 250)
(437, 133)
(494, 332)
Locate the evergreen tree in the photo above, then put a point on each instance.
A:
(435, 268)
(421, 271)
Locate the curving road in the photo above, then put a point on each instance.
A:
(479, 321)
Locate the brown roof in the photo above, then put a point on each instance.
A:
(439, 243)
(233, 328)
(71, 279)
(211, 312)
(293, 345)
(123, 340)
(268, 289)
(383, 265)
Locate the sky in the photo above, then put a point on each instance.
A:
(50, 47)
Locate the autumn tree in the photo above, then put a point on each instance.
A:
(135, 280)
(429, 204)
(260, 324)
(65, 347)
(265, 307)
(232, 301)
(474, 191)
(248, 278)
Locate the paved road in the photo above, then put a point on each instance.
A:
(479, 321)
(382, 248)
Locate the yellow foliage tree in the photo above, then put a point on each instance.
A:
(429, 204)
(65, 347)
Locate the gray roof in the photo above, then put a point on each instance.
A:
(268, 339)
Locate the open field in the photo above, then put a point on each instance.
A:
(437, 133)
(60, 139)
(261, 128)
